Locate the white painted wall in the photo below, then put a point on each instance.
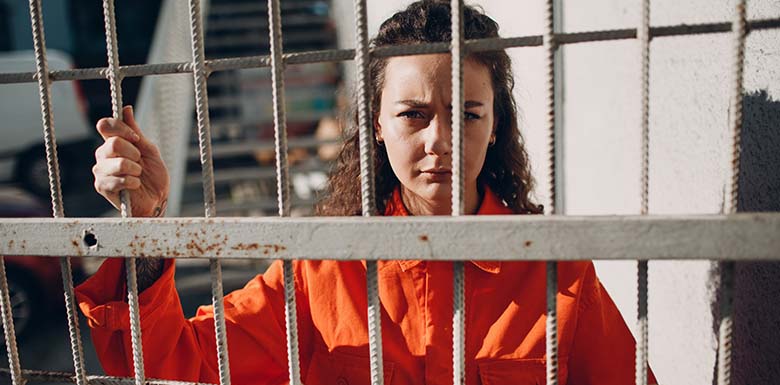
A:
(689, 94)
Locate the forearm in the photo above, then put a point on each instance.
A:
(148, 271)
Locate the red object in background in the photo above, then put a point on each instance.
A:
(34, 283)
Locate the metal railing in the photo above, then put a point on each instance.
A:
(726, 237)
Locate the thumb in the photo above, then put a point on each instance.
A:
(128, 117)
(144, 144)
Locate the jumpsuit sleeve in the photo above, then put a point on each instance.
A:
(603, 351)
(177, 348)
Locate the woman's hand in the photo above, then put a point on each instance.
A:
(129, 161)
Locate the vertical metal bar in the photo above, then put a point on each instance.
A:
(457, 50)
(548, 39)
(643, 34)
(199, 75)
(727, 269)
(8, 328)
(283, 183)
(115, 80)
(367, 187)
(50, 142)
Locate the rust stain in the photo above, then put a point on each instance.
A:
(256, 246)
(424, 238)
(528, 243)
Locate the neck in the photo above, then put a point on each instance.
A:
(416, 205)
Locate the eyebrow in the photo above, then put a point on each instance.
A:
(415, 103)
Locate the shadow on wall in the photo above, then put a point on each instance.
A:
(756, 345)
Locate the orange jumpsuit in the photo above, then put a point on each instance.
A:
(505, 323)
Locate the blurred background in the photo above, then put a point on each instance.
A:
(599, 119)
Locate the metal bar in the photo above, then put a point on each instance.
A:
(458, 53)
(745, 236)
(8, 328)
(283, 182)
(199, 75)
(643, 34)
(549, 43)
(50, 143)
(367, 187)
(67, 377)
(727, 268)
(115, 80)
(479, 45)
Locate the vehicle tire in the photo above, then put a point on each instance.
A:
(26, 305)
(32, 173)
(76, 180)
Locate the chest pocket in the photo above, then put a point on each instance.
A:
(342, 369)
(518, 372)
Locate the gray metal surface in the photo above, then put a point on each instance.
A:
(745, 236)
(348, 54)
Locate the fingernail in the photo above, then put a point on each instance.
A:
(136, 137)
(131, 109)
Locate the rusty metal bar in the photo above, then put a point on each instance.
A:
(115, 80)
(50, 144)
(199, 76)
(744, 236)
(283, 183)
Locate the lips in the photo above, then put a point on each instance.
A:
(438, 171)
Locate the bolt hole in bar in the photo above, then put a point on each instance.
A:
(199, 76)
(115, 79)
(283, 183)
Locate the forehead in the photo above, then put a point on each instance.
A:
(429, 77)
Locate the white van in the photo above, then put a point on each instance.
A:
(22, 152)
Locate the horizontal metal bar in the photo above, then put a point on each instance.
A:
(747, 236)
(415, 49)
(249, 146)
(65, 377)
(231, 175)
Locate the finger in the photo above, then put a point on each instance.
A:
(118, 147)
(110, 127)
(112, 185)
(117, 167)
(145, 145)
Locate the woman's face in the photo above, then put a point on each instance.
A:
(414, 122)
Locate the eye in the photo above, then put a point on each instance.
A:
(472, 116)
(411, 114)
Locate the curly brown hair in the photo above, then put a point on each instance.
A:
(506, 169)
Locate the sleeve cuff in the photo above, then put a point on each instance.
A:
(103, 297)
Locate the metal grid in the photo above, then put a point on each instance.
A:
(727, 237)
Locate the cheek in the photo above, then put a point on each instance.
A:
(476, 149)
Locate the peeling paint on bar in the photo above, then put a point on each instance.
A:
(704, 237)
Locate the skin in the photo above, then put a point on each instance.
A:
(414, 123)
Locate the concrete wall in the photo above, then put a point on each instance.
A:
(690, 78)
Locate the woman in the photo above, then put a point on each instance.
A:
(505, 301)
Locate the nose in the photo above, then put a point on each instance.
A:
(438, 136)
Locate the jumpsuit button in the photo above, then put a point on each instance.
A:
(341, 381)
